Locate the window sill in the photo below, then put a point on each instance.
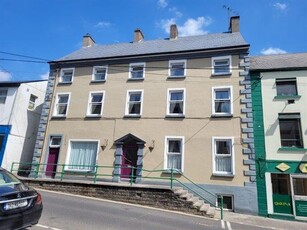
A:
(65, 83)
(175, 77)
(93, 116)
(291, 149)
(222, 174)
(175, 116)
(135, 79)
(287, 97)
(221, 116)
(58, 117)
(132, 116)
(97, 81)
(221, 74)
(175, 171)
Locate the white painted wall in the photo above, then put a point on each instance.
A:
(7, 107)
(21, 141)
(271, 108)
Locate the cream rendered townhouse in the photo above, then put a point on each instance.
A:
(180, 103)
(279, 93)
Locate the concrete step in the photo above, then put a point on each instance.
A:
(204, 207)
(211, 212)
(198, 204)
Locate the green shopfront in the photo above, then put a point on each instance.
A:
(286, 189)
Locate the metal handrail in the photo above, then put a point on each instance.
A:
(94, 171)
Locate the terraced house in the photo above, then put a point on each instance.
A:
(279, 92)
(179, 103)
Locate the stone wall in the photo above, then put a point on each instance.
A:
(163, 198)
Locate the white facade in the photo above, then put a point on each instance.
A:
(21, 112)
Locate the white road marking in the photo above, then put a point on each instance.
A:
(223, 224)
(47, 227)
(228, 225)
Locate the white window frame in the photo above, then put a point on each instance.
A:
(55, 111)
(32, 104)
(128, 103)
(166, 153)
(222, 88)
(132, 65)
(51, 145)
(62, 73)
(3, 97)
(174, 90)
(214, 156)
(225, 195)
(170, 65)
(90, 103)
(95, 71)
(69, 152)
(213, 59)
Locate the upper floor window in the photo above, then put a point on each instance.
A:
(177, 68)
(32, 102)
(286, 87)
(61, 104)
(174, 149)
(99, 73)
(290, 130)
(223, 156)
(3, 95)
(67, 75)
(176, 102)
(95, 104)
(55, 141)
(134, 103)
(221, 65)
(137, 71)
(221, 101)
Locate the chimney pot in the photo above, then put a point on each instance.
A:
(88, 40)
(173, 32)
(234, 25)
(138, 35)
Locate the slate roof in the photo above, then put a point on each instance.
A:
(279, 61)
(189, 43)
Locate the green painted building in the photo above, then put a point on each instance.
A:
(279, 98)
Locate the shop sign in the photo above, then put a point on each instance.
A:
(283, 167)
(282, 204)
(301, 208)
(303, 167)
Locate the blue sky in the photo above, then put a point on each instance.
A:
(50, 29)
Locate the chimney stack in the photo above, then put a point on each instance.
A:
(173, 32)
(138, 35)
(234, 25)
(88, 40)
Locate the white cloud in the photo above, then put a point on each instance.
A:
(175, 11)
(162, 3)
(103, 24)
(273, 50)
(44, 76)
(190, 27)
(280, 6)
(194, 26)
(5, 76)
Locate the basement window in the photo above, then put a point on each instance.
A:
(227, 201)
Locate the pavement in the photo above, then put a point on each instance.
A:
(264, 222)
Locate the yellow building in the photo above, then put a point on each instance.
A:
(178, 103)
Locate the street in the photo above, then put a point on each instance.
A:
(65, 212)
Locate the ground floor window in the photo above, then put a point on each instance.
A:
(174, 147)
(281, 188)
(300, 186)
(82, 155)
(227, 201)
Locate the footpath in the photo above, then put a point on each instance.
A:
(267, 223)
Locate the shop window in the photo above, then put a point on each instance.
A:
(300, 186)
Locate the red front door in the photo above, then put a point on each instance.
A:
(129, 159)
(52, 162)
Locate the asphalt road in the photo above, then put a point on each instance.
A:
(69, 212)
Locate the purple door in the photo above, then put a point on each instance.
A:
(52, 162)
(129, 159)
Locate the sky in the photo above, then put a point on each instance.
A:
(33, 32)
